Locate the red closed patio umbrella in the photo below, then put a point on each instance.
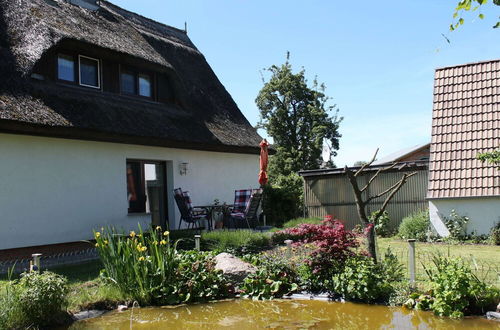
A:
(263, 162)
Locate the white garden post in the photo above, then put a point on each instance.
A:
(288, 243)
(197, 242)
(411, 264)
(36, 261)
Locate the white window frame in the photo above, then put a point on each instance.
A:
(98, 72)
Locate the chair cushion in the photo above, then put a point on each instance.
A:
(237, 214)
(241, 198)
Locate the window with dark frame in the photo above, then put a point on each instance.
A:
(65, 67)
(136, 83)
(128, 82)
(145, 186)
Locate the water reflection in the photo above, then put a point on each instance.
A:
(303, 314)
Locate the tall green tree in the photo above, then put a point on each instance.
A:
(492, 157)
(464, 6)
(297, 116)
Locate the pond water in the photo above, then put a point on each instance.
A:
(278, 314)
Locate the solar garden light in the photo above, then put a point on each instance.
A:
(411, 244)
(197, 242)
(288, 243)
(35, 263)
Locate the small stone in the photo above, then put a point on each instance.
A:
(493, 316)
(87, 314)
(233, 268)
(122, 308)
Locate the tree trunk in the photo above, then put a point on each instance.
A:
(370, 238)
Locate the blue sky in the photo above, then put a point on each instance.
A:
(377, 58)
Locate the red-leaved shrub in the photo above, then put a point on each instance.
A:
(333, 244)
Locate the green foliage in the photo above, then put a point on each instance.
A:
(456, 291)
(415, 226)
(36, 300)
(492, 157)
(236, 241)
(150, 270)
(43, 296)
(299, 221)
(382, 227)
(456, 225)
(495, 234)
(273, 279)
(470, 6)
(283, 200)
(296, 116)
(361, 279)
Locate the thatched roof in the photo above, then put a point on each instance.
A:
(206, 117)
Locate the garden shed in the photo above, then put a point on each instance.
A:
(328, 191)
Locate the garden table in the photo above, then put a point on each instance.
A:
(212, 209)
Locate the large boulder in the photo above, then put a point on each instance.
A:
(233, 268)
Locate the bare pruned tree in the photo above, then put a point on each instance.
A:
(363, 201)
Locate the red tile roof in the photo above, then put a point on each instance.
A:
(465, 122)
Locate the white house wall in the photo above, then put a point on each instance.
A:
(58, 190)
(482, 212)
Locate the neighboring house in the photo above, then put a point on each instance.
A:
(419, 152)
(466, 121)
(103, 113)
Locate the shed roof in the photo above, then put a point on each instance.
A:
(208, 118)
(396, 156)
(466, 121)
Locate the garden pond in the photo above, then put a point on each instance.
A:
(278, 314)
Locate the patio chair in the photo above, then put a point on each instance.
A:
(189, 214)
(249, 214)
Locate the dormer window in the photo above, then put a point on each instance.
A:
(136, 83)
(85, 72)
(89, 71)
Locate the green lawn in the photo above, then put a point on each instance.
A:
(483, 259)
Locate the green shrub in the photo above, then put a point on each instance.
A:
(495, 234)
(283, 200)
(456, 291)
(382, 227)
(150, 270)
(36, 300)
(43, 297)
(236, 241)
(273, 279)
(416, 226)
(457, 226)
(361, 279)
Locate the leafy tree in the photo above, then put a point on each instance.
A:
(360, 163)
(296, 115)
(492, 157)
(470, 6)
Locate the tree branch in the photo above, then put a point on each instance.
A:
(376, 174)
(395, 188)
(405, 176)
(367, 164)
